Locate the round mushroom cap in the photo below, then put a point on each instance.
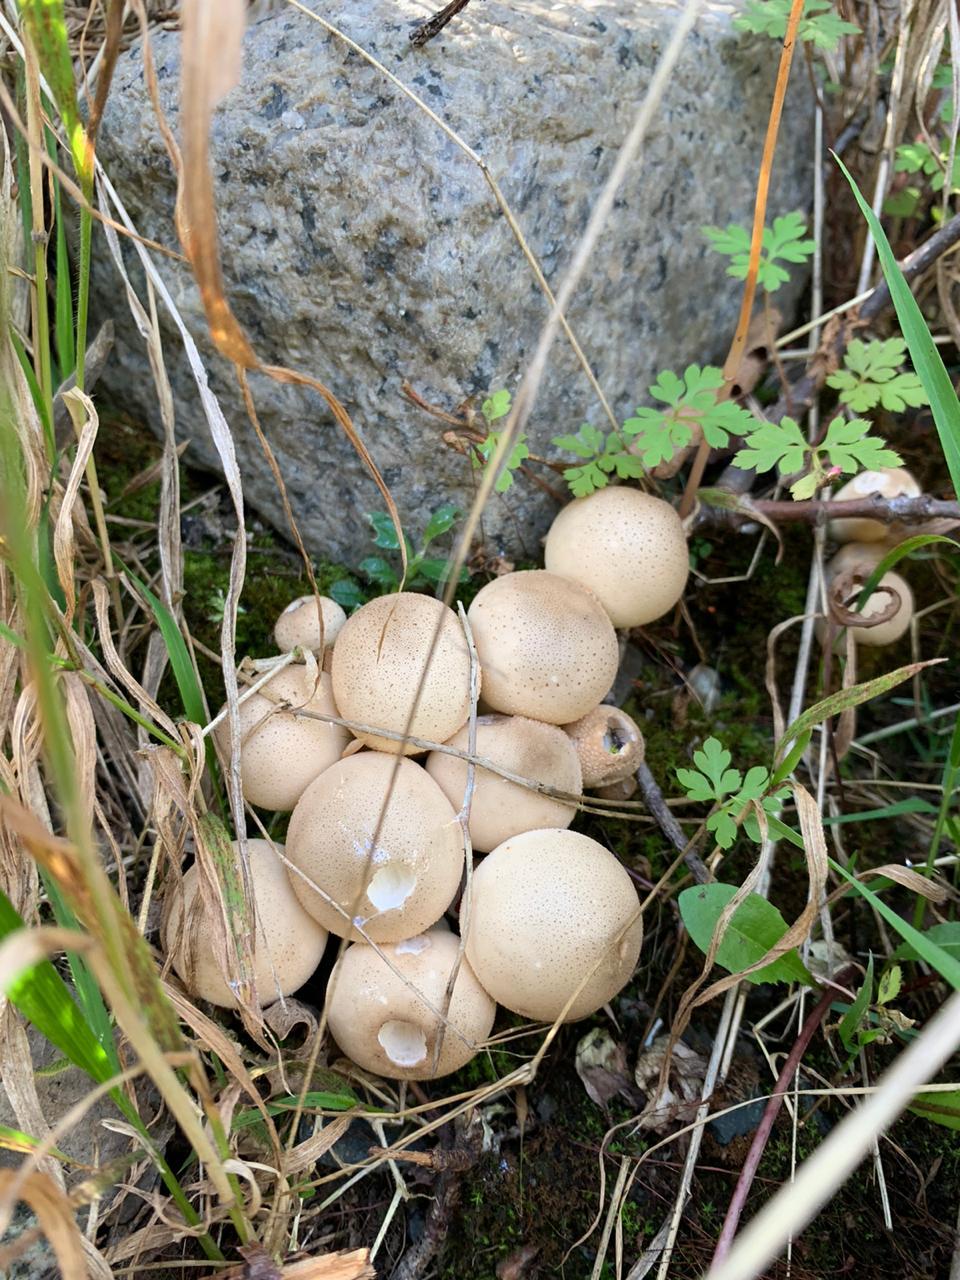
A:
(609, 744)
(864, 558)
(299, 624)
(554, 916)
(889, 482)
(547, 649)
(500, 809)
(281, 753)
(628, 547)
(288, 947)
(391, 1030)
(401, 886)
(384, 653)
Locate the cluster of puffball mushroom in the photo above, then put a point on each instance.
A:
(376, 846)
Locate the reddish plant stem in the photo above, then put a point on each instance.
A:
(903, 509)
(771, 1111)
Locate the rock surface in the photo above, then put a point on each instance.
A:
(362, 246)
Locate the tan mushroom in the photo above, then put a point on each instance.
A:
(861, 559)
(888, 482)
(288, 946)
(395, 888)
(609, 744)
(547, 649)
(554, 917)
(299, 626)
(628, 547)
(281, 753)
(500, 809)
(388, 1028)
(388, 651)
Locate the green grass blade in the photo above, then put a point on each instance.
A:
(191, 695)
(66, 352)
(923, 350)
(925, 947)
(895, 556)
(44, 999)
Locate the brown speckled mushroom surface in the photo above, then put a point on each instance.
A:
(379, 662)
(547, 649)
(609, 744)
(628, 547)
(551, 910)
(288, 947)
(281, 753)
(397, 888)
(500, 809)
(391, 1030)
(299, 624)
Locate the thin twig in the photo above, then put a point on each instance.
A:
(903, 510)
(653, 797)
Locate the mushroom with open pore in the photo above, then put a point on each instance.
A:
(854, 563)
(385, 663)
(499, 808)
(280, 752)
(609, 744)
(547, 649)
(388, 1027)
(628, 547)
(395, 888)
(554, 918)
(288, 945)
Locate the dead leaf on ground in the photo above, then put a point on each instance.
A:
(602, 1066)
(517, 1265)
(679, 1101)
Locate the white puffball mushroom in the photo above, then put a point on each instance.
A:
(547, 649)
(390, 1030)
(552, 910)
(299, 624)
(609, 744)
(281, 753)
(379, 662)
(888, 482)
(396, 889)
(628, 547)
(499, 808)
(864, 558)
(288, 947)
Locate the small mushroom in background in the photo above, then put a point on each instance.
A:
(299, 624)
(856, 561)
(609, 744)
(547, 649)
(391, 1030)
(281, 753)
(888, 482)
(628, 547)
(551, 910)
(395, 889)
(288, 947)
(378, 667)
(500, 809)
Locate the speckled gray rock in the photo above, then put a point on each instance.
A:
(361, 246)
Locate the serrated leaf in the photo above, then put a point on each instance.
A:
(944, 936)
(819, 25)
(585, 480)
(771, 444)
(379, 571)
(891, 981)
(496, 405)
(756, 926)
(723, 826)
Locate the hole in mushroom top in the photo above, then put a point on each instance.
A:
(403, 1043)
(615, 741)
(391, 886)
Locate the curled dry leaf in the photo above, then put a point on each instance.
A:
(842, 597)
(677, 1101)
(602, 1067)
(56, 1221)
